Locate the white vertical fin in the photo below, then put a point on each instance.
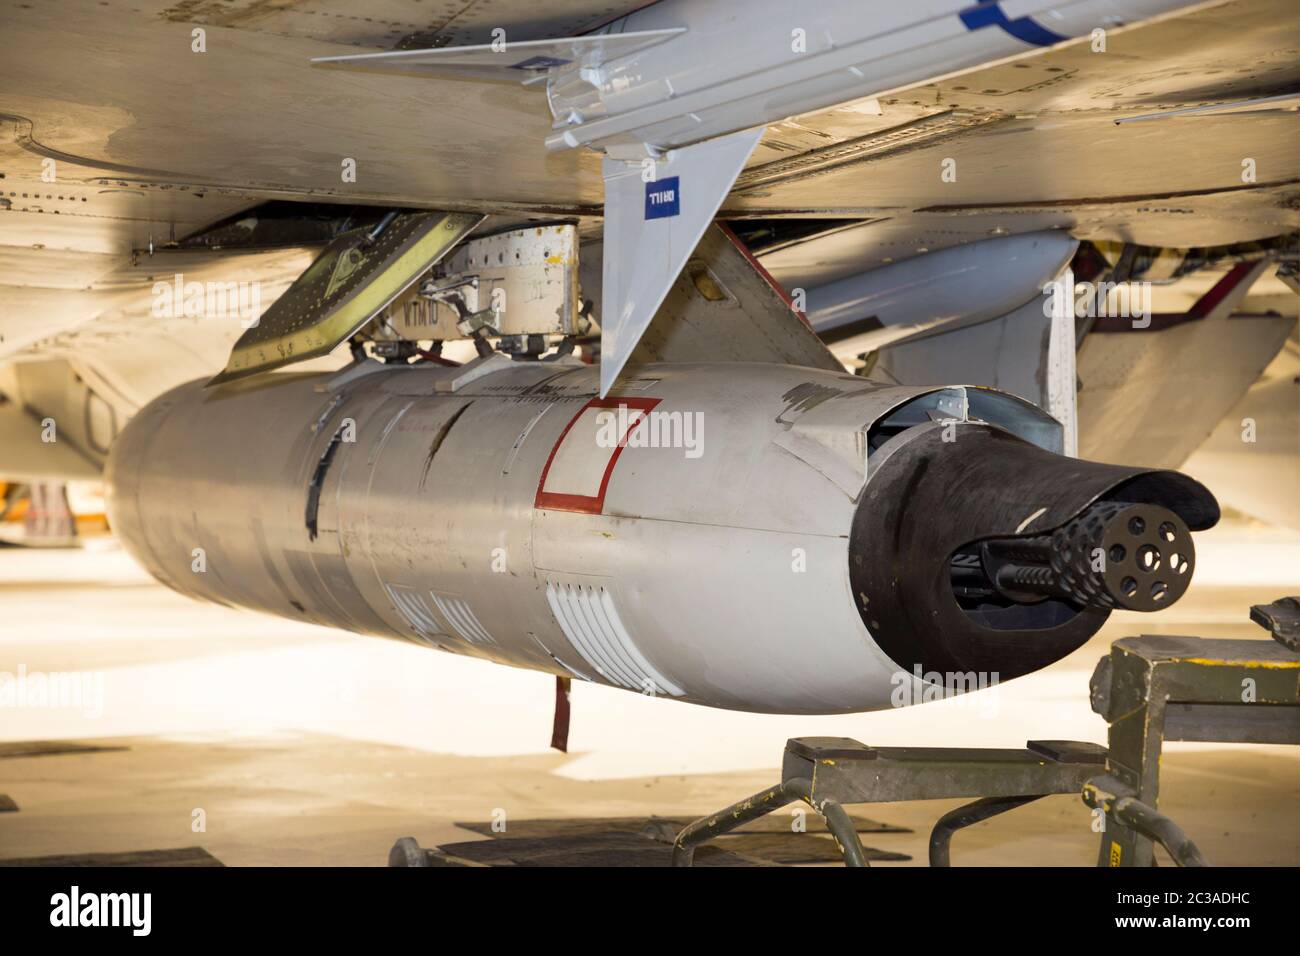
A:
(651, 228)
(1062, 379)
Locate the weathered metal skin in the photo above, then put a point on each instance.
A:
(462, 508)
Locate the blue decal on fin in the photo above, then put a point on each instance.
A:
(663, 198)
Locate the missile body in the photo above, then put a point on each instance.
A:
(747, 536)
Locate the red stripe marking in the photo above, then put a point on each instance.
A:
(560, 723)
(763, 273)
(1200, 309)
(590, 504)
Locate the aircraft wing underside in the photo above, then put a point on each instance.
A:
(121, 142)
(1034, 142)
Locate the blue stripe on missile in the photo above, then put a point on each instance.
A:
(987, 13)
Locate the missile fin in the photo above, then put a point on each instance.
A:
(651, 228)
(502, 61)
(725, 307)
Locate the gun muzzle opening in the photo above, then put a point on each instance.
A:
(1116, 554)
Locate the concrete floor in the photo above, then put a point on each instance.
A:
(308, 746)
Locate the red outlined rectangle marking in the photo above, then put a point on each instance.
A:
(591, 504)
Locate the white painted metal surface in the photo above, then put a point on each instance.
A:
(527, 278)
(937, 291)
(1060, 378)
(505, 60)
(721, 578)
(651, 226)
